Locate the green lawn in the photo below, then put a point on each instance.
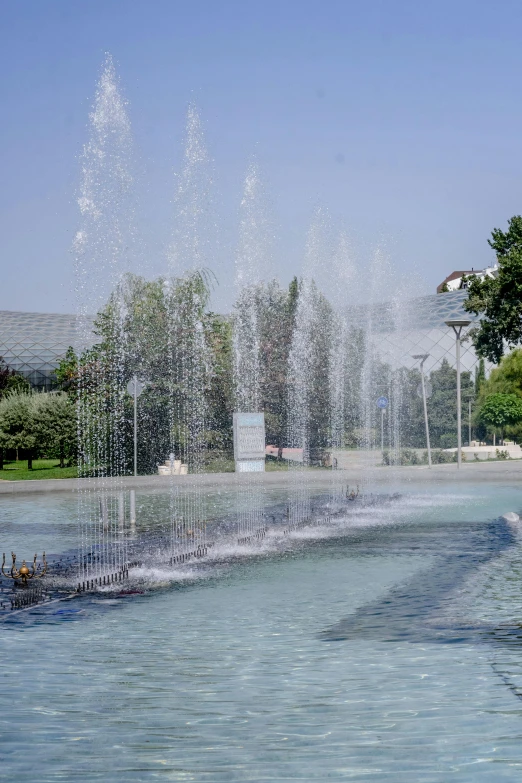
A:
(42, 469)
(49, 469)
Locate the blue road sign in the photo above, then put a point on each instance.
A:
(382, 402)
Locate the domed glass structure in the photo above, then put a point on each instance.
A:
(33, 344)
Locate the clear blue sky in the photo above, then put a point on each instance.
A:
(404, 118)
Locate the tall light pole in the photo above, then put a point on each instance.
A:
(382, 403)
(135, 388)
(423, 357)
(458, 326)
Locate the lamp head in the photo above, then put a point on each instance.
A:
(462, 322)
(458, 324)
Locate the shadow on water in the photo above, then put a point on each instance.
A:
(419, 610)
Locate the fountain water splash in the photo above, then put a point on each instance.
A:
(330, 371)
(189, 285)
(252, 256)
(101, 249)
(305, 387)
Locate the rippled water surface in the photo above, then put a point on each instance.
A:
(386, 647)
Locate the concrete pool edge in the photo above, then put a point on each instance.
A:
(500, 472)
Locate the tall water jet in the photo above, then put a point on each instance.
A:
(379, 318)
(250, 259)
(344, 273)
(187, 290)
(252, 256)
(306, 388)
(371, 388)
(101, 249)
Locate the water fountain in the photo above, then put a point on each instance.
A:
(346, 630)
(101, 249)
(160, 332)
(187, 289)
(252, 256)
(308, 387)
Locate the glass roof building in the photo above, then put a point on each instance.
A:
(34, 343)
(417, 326)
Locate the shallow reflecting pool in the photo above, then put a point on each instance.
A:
(384, 647)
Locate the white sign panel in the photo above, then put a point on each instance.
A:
(249, 438)
(250, 466)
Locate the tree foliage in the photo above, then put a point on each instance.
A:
(501, 410)
(38, 423)
(66, 373)
(17, 424)
(11, 381)
(506, 379)
(54, 423)
(163, 332)
(499, 299)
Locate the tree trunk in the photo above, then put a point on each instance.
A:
(494, 439)
(30, 461)
(62, 465)
(1, 459)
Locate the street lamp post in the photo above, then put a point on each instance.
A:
(458, 326)
(423, 357)
(135, 388)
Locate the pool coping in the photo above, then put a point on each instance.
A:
(501, 472)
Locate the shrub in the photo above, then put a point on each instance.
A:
(440, 457)
(405, 457)
(448, 440)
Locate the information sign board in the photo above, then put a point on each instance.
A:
(249, 440)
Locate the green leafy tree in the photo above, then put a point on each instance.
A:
(499, 300)
(276, 310)
(67, 372)
(11, 381)
(54, 424)
(161, 331)
(442, 407)
(219, 388)
(506, 378)
(16, 424)
(501, 410)
(480, 376)
(411, 411)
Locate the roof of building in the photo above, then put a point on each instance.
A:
(455, 276)
(34, 343)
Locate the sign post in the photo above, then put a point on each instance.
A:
(424, 390)
(135, 388)
(249, 442)
(382, 403)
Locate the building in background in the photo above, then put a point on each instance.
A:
(33, 344)
(401, 329)
(454, 282)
